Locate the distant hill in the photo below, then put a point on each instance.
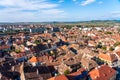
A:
(72, 22)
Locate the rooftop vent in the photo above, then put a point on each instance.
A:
(99, 66)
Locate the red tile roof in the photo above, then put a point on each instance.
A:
(104, 72)
(61, 77)
(77, 73)
(4, 47)
(53, 78)
(69, 76)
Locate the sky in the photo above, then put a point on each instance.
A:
(58, 10)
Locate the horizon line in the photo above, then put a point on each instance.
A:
(58, 21)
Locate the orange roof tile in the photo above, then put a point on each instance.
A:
(104, 72)
(109, 57)
(33, 59)
(64, 47)
(53, 78)
(61, 77)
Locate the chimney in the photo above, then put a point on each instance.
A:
(37, 71)
(96, 68)
(108, 54)
(10, 64)
(95, 77)
(99, 66)
(13, 68)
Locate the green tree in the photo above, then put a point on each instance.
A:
(79, 26)
(12, 47)
(104, 47)
(111, 48)
(17, 50)
(68, 26)
(116, 44)
(66, 72)
(37, 42)
(99, 45)
(108, 32)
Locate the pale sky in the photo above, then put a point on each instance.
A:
(58, 10)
